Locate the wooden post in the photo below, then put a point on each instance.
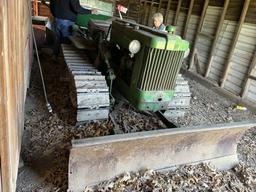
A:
(248, 79)
(145, 12)
(13, 33)
(159, 6)
(0, 176)
(6, 93)
(167, 12)
(199, 29)
(177, 12)
(35, 7)
(233, 46)
(140, 11)
(191, 5)
(212, 52)
(151, 7)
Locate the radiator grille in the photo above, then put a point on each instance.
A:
(160, 70)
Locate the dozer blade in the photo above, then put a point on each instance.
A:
(97, 159)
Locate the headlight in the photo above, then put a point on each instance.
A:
(134, 46)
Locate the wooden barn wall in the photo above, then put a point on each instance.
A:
(205, 40)
(222, 50)
(251, 14)
(14, 71)
(241, 59)
(251, 94)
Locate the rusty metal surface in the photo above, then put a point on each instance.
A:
(98, 159)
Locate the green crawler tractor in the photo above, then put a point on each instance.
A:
(147, 64)
(144, 62)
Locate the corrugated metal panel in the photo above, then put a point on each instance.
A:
(222, 50)
(209, 27)
(242, 57)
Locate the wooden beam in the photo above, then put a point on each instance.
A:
(197, 63)
(0, 175)
(13, 33)
(160, 6)
(151, 7)
(199, 29)
(177, 12)
(252, 77)
(35, 7)
(249, 75)
(212, 52)
(234, 42)
(167, 12)
(145, 12)
(191, 5)
(140, 12)
(4, 104)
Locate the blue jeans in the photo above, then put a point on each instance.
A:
(63, 27)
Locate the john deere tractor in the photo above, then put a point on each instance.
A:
(145, 62)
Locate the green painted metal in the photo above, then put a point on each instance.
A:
(145, 100)
(104, 11)
(104, 7)
(83, 20)
(156, 64)
(171, 29)
(148, 37)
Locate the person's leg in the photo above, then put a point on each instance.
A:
(58, 37)
(66, 30)
(63, 29)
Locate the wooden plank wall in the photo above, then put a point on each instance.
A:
(208, 30)
(251, 14)
(221, 50)
(244, 48)
(14, 70)
(251, 94)
(241, 59)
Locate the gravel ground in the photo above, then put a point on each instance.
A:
(46, 140)
(187, 178)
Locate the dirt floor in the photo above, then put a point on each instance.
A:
(46, 140)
